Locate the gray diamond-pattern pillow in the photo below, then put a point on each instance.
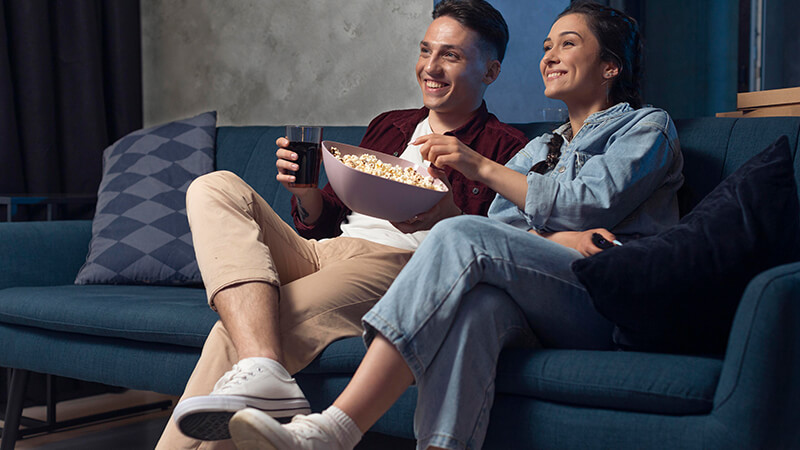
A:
(140, 234)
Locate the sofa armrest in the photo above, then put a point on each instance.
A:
(755, 405)
(42, 253)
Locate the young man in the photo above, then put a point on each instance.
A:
(251, 261)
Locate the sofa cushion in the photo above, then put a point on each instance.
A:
(140, 233)
(714, 147)
(678, 291)
(166, 314)
(342, 357)
(628, 381)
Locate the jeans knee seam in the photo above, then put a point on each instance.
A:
(541, 273)
(427, 318)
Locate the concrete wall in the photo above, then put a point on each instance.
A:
(332, 62)
(272, 62)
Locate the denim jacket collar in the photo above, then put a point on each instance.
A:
(608, 114)
(596, 118)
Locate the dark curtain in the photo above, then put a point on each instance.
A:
(70, 85)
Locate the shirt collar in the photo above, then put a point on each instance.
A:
(409, 122)
(466, 133)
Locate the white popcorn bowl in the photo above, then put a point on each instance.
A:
(373, 195)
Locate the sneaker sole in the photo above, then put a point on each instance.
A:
(206, 426)
(206, 418)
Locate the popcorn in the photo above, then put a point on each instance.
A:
(372, 165)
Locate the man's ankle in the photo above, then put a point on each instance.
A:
(274, 364)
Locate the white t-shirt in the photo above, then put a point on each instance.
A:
(381, 231)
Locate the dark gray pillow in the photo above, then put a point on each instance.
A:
(678, 291)
(140, 234)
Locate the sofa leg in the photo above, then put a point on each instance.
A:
(16, 401)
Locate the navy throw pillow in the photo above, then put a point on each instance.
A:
(678, 291)
(140, 233)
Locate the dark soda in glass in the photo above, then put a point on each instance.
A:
(309, 156)
(305, 141)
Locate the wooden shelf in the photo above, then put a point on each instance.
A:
(770, 103)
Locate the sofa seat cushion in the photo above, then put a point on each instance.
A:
(628, 381)
(172, 315)
(340, 357)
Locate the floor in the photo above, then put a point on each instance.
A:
(136, 432)
(132, 433)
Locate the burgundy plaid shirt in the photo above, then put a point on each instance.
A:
(390, 133)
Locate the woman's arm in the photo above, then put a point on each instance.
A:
(442, 150)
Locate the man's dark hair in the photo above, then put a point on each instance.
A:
(480, 17)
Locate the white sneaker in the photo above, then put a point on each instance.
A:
(248, 385)
(251, 429)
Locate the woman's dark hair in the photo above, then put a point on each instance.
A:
(620, 43)
(478, 16)
(553, 155)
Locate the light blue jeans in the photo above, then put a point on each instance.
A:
(474, 286)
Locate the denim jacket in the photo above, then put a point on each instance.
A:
(621, 171)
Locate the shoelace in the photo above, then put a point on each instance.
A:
(226, 377)
(234, 377)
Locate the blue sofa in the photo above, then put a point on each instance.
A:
(149, 337)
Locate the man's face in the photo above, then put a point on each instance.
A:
(452, 68)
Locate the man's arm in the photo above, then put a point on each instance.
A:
(442, 150)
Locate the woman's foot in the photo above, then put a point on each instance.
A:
(252, 429)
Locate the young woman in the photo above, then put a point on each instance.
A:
(479, 284)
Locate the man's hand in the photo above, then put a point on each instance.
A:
(443, 151)
(445, 208)
(286, 165)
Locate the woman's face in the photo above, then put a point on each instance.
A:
(571, 67)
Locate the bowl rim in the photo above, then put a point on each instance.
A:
(326, 145)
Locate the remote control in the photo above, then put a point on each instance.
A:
(600, 242)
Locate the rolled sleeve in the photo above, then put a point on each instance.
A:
(505, 210)
(333, 212)
(540, 200)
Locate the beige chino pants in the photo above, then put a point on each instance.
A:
(325, 287)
